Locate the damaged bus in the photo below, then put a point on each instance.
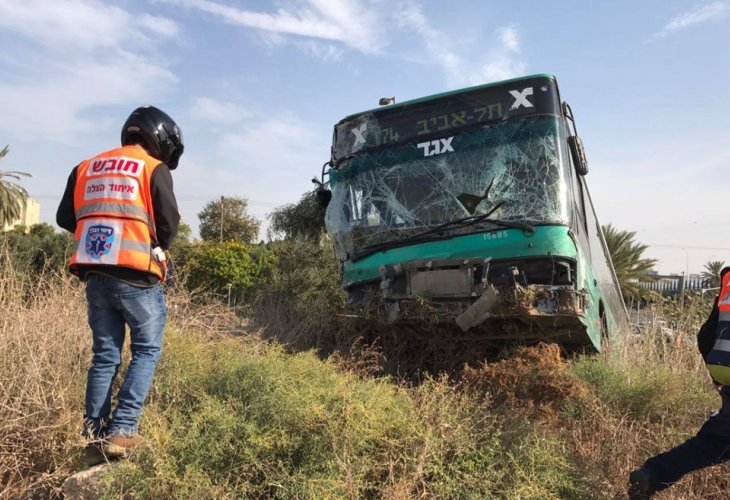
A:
(474, 204)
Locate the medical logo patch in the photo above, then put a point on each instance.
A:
(99, 241)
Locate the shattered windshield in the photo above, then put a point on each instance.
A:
(389, 194)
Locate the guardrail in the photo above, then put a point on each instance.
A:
(678, 284)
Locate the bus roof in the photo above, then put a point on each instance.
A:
(448, 93)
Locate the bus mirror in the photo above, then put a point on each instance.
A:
(579, 154)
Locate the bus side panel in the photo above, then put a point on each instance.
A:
(604, 274)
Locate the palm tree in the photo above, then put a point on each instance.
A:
(631, 268)
(12, 195)
(711, 274)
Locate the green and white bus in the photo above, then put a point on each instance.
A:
(475, 204)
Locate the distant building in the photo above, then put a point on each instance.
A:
(30, 215)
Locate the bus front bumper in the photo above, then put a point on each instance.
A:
(470, 292)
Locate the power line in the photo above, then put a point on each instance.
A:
(686, 247)
(181, 198)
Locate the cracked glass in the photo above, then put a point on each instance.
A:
(390, 193)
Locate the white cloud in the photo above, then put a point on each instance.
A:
(324, 51)
(267, 159)
(76, 24)
(502, 61)
(411, 18)
(714, 11)
(85, 25)
(279, 144)
(74, 56)
(347, 21)
(160, 25)
(53, 105)
(509, 38)
(216, 111)
(317, 26)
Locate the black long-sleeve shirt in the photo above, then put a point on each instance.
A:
(166, 217)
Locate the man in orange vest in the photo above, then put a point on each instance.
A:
(711, 445)
(121, 208)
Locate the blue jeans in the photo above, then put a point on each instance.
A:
(112, 304)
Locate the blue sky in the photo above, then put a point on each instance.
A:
(257, 86)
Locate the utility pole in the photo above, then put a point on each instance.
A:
(222, 205)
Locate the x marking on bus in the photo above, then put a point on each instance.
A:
(521, 98)
(360, 133)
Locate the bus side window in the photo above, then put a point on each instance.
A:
(578, 198)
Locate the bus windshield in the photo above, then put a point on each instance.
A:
(390, 194)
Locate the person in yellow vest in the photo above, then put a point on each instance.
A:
(711, 445)
(122, 210)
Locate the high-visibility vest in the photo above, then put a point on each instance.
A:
(718, 361)
(115, 223)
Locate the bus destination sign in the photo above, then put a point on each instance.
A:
(433, 117)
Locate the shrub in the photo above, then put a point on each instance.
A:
(38, 248)
(231, 269)
(241, 419)
(301, 302)
(252, 421)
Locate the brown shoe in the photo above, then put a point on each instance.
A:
(120, 446)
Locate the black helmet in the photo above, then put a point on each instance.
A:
(157, 132)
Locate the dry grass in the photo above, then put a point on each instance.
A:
(531, 424)
(531, 378)
(45, 350)
(44, 347)
(646, 396)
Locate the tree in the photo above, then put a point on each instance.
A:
(184, 233)
(711, 274)
(631, 268)
(181, 252)
(231, 269)
(12, 195)
(303, 220)
(227, 219)
(41, 249)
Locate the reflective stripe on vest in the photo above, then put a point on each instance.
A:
(111, 207)
(722, 345)
(718, 360)
(115, 223)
